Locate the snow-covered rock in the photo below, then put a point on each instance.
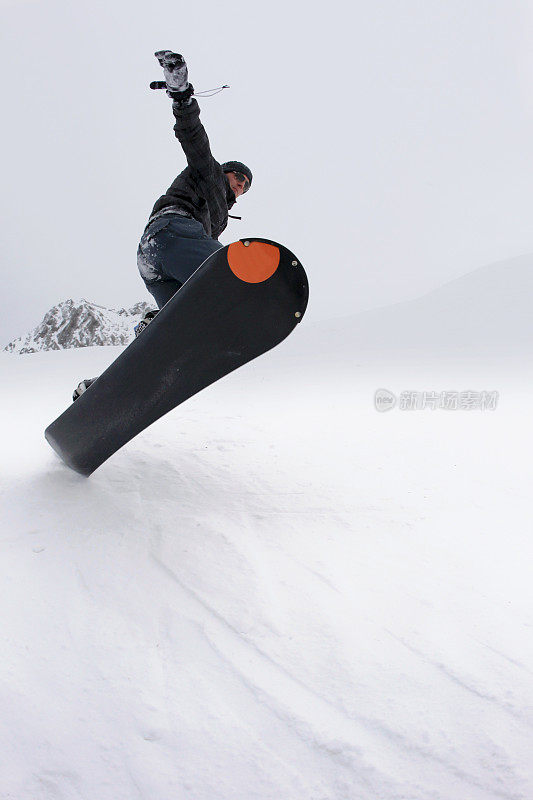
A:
(80, 323)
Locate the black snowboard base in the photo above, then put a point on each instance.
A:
(242, 301)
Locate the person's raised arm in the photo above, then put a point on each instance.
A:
(188, 128)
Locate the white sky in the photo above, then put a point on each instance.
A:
(390, 141)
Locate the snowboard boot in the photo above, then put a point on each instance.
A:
(82, 387)
(146, 320)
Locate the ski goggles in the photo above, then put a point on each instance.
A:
(241, 177)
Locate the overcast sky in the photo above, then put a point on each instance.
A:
(391, 142)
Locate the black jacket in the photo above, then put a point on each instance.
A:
(202, 188)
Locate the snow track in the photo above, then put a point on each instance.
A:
(274, 592)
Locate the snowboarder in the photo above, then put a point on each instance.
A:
(186, 221)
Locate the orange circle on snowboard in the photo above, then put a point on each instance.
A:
(254, 263)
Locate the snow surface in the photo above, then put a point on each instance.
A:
(275, 591)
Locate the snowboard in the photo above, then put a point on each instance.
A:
(242, 301)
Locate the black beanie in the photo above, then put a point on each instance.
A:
(237, 166)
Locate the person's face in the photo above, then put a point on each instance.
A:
(238, 182)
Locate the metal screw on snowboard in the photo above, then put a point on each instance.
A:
(298, 314)
(294, 263)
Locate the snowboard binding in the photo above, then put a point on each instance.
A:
(146, 320)
(81, 388)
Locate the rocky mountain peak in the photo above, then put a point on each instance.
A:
(80, 323)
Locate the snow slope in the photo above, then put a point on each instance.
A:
(485, 314)
(275, 591)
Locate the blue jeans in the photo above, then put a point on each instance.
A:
(171, 249)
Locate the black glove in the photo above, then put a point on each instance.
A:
(176, 75)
